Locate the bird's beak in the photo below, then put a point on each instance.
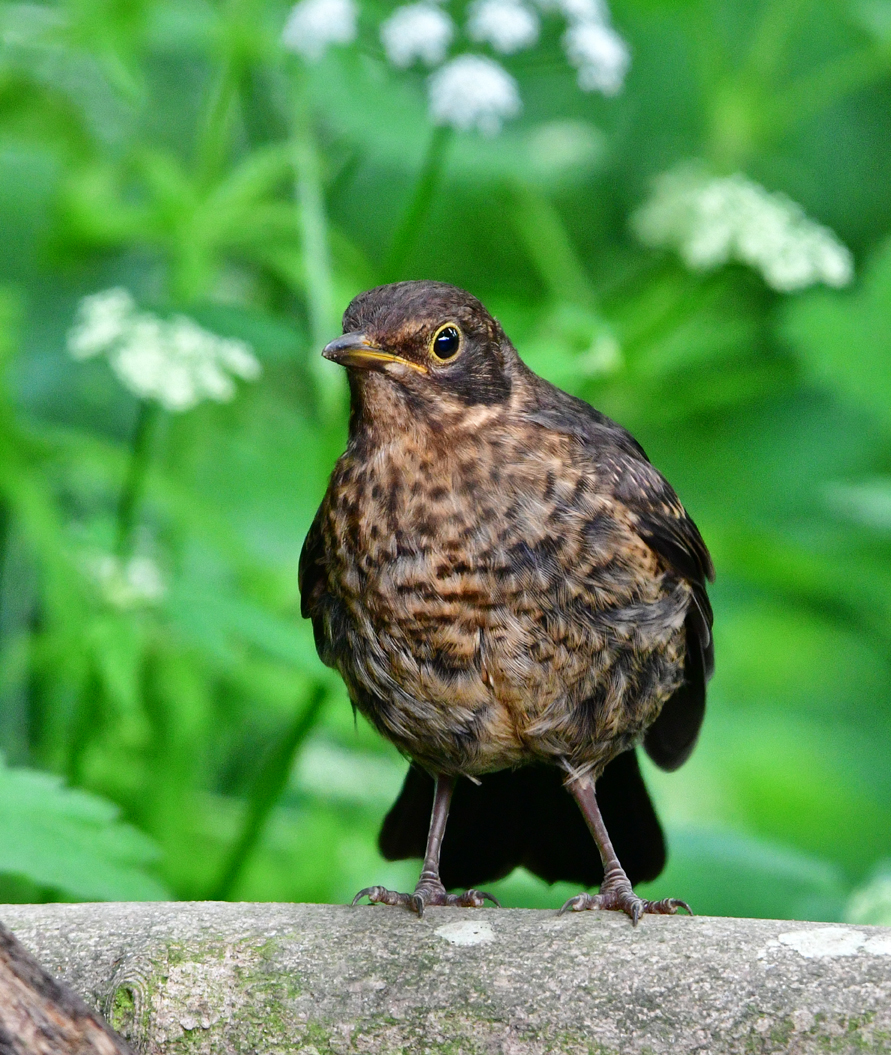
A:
(355, 349)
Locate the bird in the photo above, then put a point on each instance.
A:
(514, 597)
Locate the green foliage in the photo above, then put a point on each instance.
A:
(174, 149)
(71, 841)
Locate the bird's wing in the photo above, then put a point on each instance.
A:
(660, 520)
(311, 569)
(657, 514)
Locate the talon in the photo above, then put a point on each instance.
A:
(669, 906)
(579, 903)
(425, 894)
(624, 900)
(472, 899)
(369, 892)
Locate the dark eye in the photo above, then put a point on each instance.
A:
(447, 343)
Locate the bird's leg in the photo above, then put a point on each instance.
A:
(430, 890)
(615, 890)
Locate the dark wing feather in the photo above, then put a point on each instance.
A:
(663, 523)
(315, 601)
(671, 738)
(525, 817)
(311, 569)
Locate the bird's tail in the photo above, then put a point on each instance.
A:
(526, 817)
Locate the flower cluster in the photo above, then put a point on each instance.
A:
(713, 220)
(505, 25)
(599, 54)
(417, 33)
(313, 25)
(175, 362)
(470, 90)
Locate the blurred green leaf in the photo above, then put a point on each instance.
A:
(72, 841)
(867, 502)
(731, 874)
(844, 340)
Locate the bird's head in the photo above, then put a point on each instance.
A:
(430, 345)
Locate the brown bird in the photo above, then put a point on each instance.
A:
(513, 595)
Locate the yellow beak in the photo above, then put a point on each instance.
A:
(354, 349)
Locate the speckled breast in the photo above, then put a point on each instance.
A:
(486, 605)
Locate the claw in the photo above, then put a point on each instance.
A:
(379, 895)
(368, 892)
(578, 904)
(425, 894)
(627, 901)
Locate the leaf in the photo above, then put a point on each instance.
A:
(728, 873)
(867, 502)
(843, 339)
(72, 840)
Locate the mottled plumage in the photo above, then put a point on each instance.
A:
(497, 571)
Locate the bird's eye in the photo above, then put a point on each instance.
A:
(446, 342)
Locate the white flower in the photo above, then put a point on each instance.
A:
(314, 24)
(126, 584)
(711, 220)
(599, 54)
(507, 25)
(177, 363)
(473, 92)
(417, 32)
(101, 320)
(140, 358)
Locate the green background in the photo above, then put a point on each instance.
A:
(196, 747)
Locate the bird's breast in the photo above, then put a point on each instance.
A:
(478, 582)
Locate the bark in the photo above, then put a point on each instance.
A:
(40, 1016)
(316, 979)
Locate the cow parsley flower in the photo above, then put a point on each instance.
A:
(175, 362)
(473, 92)
(313, 25)
(599, 54)
(101, 320)
(417, 32)
(507, 25)
(712, 220)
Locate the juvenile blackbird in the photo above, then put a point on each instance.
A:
(512, 595)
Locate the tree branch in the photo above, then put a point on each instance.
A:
(40, 1016)
(317, 979)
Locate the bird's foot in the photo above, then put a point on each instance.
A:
(426, 893)
(623, 898)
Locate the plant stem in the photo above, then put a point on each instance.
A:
(134, 482)
(215, 132)
(318, 278)
(772, 38)
(271, 783)
(422, 198)
(541, 228)
(813, 92)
